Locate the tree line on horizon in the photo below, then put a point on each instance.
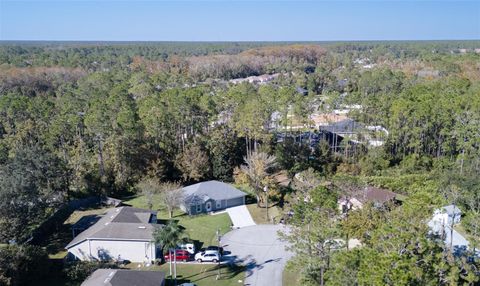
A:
(87, 120)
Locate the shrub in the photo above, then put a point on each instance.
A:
(22, 265)
(80, 270)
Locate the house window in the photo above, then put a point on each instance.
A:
(199, 208)
(218, 204)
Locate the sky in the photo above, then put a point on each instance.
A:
(229, 20)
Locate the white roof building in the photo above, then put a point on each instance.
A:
(123, 233)
(441, 225)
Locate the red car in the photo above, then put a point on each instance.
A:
(182, 255)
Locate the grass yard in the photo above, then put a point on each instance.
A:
(79, 214)
(291, 277)
(201, 228)
(259, 214)
(55, 244)
(460, 229)
(141, 202)
(202, 274)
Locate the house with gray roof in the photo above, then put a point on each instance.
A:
(361, 196)
(124, 277)
(441, 225)
(210, 196)
(454, 214)
(123, 233)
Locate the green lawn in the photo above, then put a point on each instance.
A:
(55, 244)
(200, 227)
(291, 277)
(460, 229)
(141, 202)
(203, 227)
(259, 215)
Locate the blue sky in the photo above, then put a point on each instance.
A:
(230, 20)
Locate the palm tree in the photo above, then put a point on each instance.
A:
(257, 168)
(169, 237)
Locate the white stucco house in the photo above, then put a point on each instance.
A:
(123, 233)
(441, 225)
(447, 214)
(210, 196)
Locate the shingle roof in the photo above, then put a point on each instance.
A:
(119, 223)
(122, 277)
(133, 215)
(215, 190)
(373, 194)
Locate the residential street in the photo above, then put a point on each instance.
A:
(259, 248)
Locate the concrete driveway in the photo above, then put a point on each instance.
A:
(240, 216)
(259, 248)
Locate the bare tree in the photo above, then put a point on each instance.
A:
(171, 195)
(305, 181)
(258, 167)
(149, 187)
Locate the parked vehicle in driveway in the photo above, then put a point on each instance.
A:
(182, 255)
(213, 248)
(190, 247)
(207, 256)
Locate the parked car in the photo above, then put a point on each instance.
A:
(214, 248)
(190, 247)
(208, 255)
(182, 255)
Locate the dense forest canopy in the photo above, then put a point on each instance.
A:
(81, 119)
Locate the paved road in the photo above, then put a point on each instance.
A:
(259, 248)
(457, 240)
(240, 216)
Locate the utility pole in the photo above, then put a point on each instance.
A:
(170, 261)
(219, 255)
(265, 189)
(175, 266)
